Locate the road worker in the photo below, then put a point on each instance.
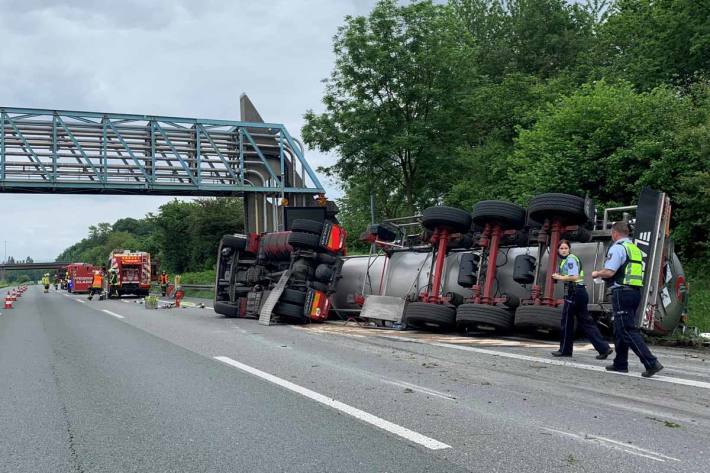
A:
(97, 283)
(575, 306)
(45, 282)
(163, 280)
(624, 269)
(113, 283)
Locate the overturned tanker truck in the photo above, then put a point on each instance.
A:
(450, 269)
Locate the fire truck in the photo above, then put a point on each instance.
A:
(80, 276)
(134, 271)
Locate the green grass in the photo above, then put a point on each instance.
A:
(699, 300)
(202, 277)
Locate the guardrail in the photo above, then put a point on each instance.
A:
(197, 286)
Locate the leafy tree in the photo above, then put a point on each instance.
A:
(610, 141)
(654, 42)
(390, 102)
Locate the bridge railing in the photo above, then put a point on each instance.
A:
(69, 151)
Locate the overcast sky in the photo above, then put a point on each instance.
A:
(157, 57)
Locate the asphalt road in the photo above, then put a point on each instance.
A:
(107, 386)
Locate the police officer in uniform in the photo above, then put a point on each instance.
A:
(575, 306)
(624, 268)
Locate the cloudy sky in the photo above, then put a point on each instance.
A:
(157, 57)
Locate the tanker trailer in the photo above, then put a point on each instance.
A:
(400, 271)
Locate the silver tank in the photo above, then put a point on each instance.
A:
(406, 274)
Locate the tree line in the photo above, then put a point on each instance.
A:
(183, 236)
(502, 99)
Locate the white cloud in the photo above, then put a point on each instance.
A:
(178, 58)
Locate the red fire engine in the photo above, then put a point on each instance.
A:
(134, 271)
(80, 277)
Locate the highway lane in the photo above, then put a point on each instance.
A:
(499, 407)
(83, 391)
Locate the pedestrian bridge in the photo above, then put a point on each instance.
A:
(59, 151)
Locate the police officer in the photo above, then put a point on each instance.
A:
(624, 268)
(575, 306)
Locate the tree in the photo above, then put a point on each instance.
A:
(609, 141)
(391, 102)
(654, 42)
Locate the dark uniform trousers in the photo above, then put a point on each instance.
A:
(575, 306)
(625, 301)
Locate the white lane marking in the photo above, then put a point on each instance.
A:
(547, 361)
(383, 424)
(572, 364)
(79, 300)
(615, 445)
(113, 313)
(421, 389)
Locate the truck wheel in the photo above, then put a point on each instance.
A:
(481, 315)
(506, 214)
(450, 218)
(568, 208)
(293, 296)
(529, 317)
(231, 241)
(290, 311)
(307, 226)
(306, 241)
(226, 309)
(420, 314)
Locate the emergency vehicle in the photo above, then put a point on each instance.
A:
(80, 277)
(134, 271)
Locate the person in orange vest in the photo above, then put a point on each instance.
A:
(163, 283)
(97, 284)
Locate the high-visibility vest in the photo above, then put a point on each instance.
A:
(98, 281)
(563, 268)
(45, 281)
(163, 279)
(631, 272)
(114, 278)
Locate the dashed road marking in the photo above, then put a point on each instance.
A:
(615, 445)
(113, 313)
(383, 424)
(421, 389)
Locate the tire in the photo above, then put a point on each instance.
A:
(480, 315)
(324, 273)
(506, 214)
(307, 226)
(450, 218)
(290, 311)
(306, 241)
(226, 309)
(293, 296)
(420, 314)
(567, 208)
(538, 317)
(231, 241)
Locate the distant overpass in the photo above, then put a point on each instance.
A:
(30, 266)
